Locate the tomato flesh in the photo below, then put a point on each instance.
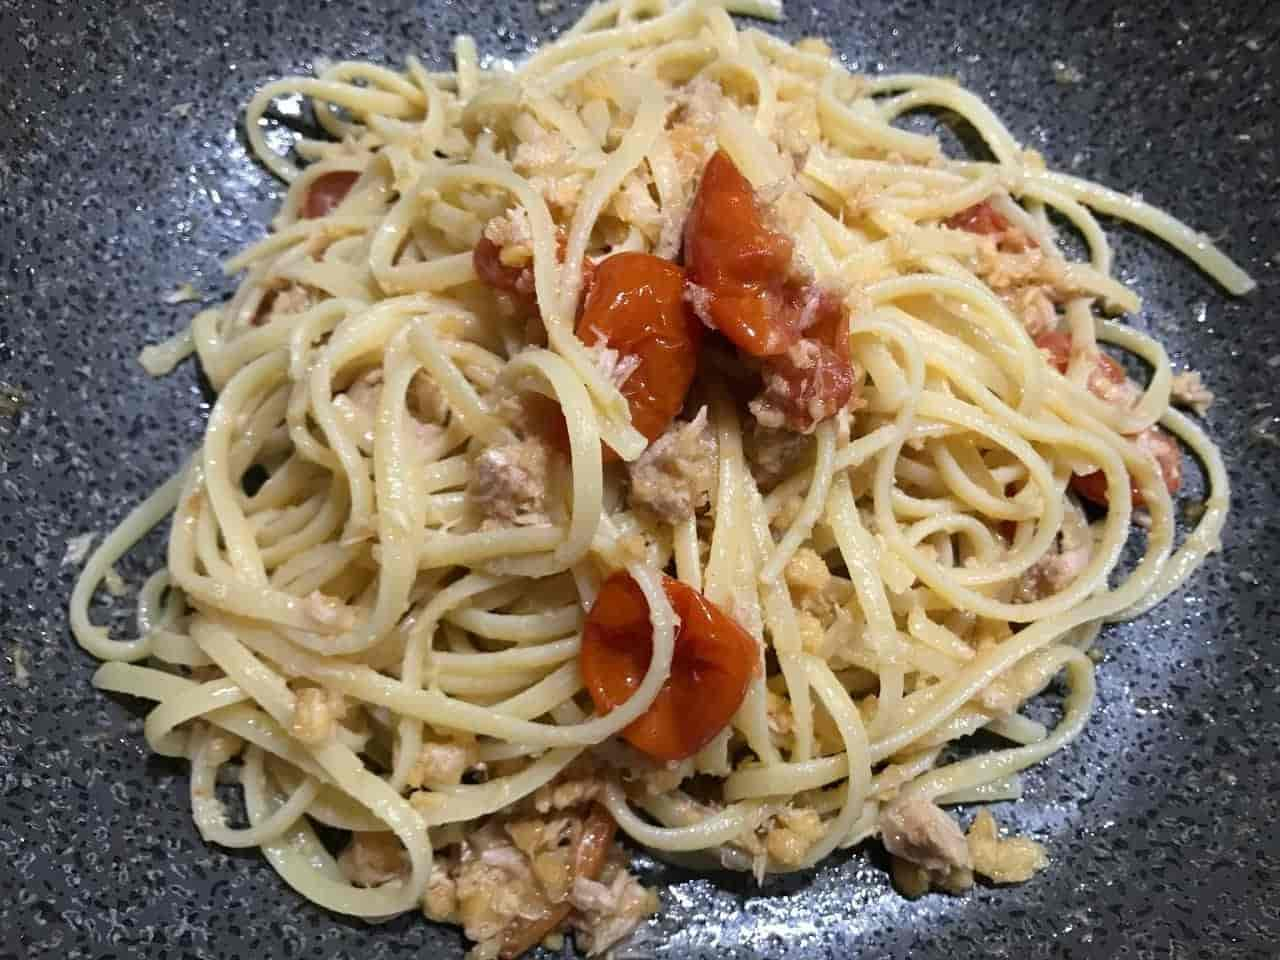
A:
(1056, 346)
(713, 662)
(326, 192)
(741, 263)
(486, 259)
(814, 379)
(490, 268)
(741, 270)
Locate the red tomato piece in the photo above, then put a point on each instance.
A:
(741, 267)
(1056, 345)
(830, 322)
(490, 268)
(525, 933)
(1093, 486)
(713, 662)
(985, 220)
(741, 263)
(636, 306)
(519, 281)
(1106, 375)
(813, 380)
(810, 383)
(326, 192)
(981, 218)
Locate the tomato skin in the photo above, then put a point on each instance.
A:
(814, 377)
(597, 834)
(1056, 345)
(986, 221)
(743, 269)
(519, 281)
(1106, 375)
(741, 262)
(981, 218)
(490, 268)
(1106, 372)
(1157, 442)
(713, 662)
(1093, 487)
(636, 306)
(326, 192)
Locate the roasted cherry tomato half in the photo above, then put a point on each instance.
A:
(636, 307)
(713, 662)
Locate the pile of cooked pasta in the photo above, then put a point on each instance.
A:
(651, 439)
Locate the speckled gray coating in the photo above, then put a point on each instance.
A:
(1161, 821)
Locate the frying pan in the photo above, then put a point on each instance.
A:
(123, 175)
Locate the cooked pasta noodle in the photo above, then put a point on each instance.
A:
(381, 575)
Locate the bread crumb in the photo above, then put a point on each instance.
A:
(372, 859)
(316, 712)
(806, 572)
(442, 764)
(813, 638)
(1188, 390)
(1011, 860)
(790, 841)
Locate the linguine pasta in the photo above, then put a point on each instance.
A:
(381, 576)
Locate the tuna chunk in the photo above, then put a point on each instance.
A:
(674, 477)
